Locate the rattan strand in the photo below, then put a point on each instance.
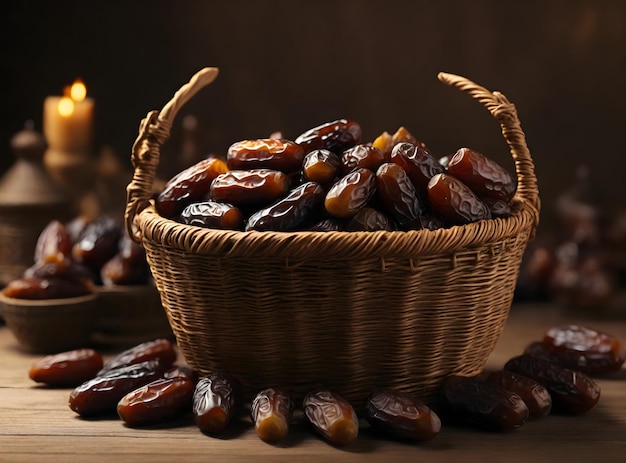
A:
(351, 311)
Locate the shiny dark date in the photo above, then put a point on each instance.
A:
(455, 201)
(192, 184)
(98, 242)
(484, 404)
(401, 416)
(321, 166)
(271, 412)
(212, 214)
(361, 155)
(331, 416)
(215, 402)
(69, 368)
(160, 400)
(335, 136)
(369, 219)
(350, 193)
(249, 187)
(301, 204)
(486, 178)
(535, 396)
(418, 163)
(161, 350)
(265, 153)
(54, 243)
(572, 391)
(101, 394)
(396, 191)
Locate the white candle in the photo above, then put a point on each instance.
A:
(68, 120)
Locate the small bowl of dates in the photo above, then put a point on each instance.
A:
(52, 306)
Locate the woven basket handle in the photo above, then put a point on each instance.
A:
(154, 130)
(505, 113)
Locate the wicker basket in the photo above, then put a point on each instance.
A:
(349, 310)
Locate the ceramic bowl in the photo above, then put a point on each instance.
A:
(51, 325)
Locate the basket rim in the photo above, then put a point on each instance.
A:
(316, 244)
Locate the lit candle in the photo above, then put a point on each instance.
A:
(68, 120)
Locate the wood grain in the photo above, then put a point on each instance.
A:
(37, 425)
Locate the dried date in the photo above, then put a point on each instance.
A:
(484, 404)
(401, 416)
(181, 370)
(321, 166)
(336, 136)
(396, 191)
(271, 412)
(54, 243)
(571, 391)
(487, 179)
(190, 185)
(265, 153)
(418, 163)
(350, 193)
(300, 205)
(369, 219)
(249, 187)
(326, 225)
(212, 214)
(161, 350)
(97, 244)
(69, 368)
(455, 201)
(331, 416)
(160, 400)
(128, 266)
(45, 288)
(215, 402)
(366, 156)
(101, 394)
(535, 396)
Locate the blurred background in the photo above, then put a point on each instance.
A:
(289, 66)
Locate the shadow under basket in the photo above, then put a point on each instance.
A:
(351, 311)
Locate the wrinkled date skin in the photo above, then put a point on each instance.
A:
(366, 156)
(321, 166)
(300, 205)
(157, 401)
(161, 350)
(488, 179)
(336, 136)
(572, 391)
(484, 404)
(215, 402)
(418, 163)
(45, 288)
(369, 219)
(271, 412)
(350, 193)
(54, 243)
(265, 153)
(602, 352)
(535, 396)
(69, 368)
(400, 416)
(326, 225)
(455, 201)
(211, 214)
(331, 416)
(128, 266)
(397, 193)
(192, 184)
(249, 187)
(98, 243)
(101, 394)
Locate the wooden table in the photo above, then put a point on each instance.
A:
(36, 424)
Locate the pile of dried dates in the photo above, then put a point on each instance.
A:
(71, 259)
(327, 179)
(146, 385)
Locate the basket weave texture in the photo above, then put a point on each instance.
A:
(348, 310)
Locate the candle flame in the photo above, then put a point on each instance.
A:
(78, 91)
(66, 106)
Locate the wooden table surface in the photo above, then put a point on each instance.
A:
(36, 424)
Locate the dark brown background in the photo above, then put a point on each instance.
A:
(291, 65)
